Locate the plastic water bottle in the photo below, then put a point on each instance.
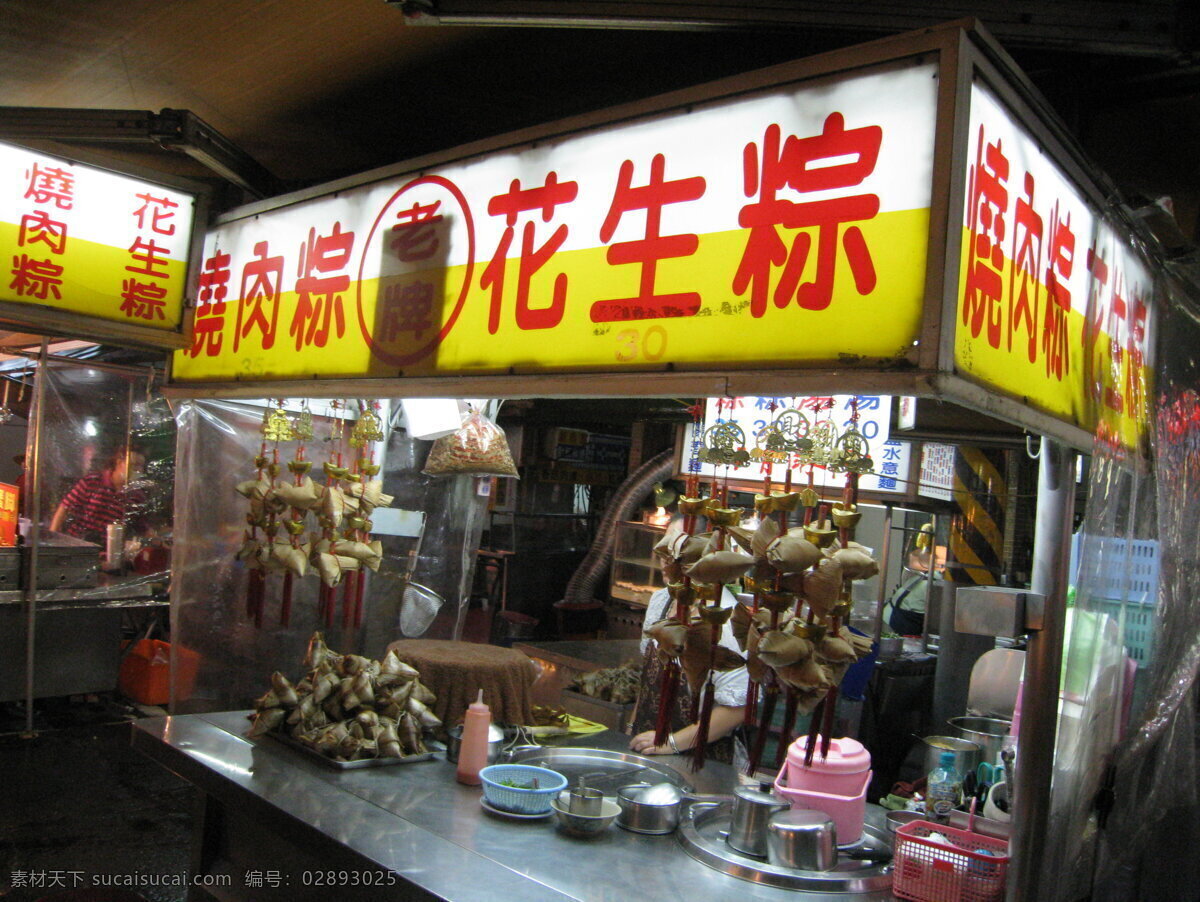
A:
(943, 790)
(472, 753)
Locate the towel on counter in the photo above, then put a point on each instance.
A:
(456, 671)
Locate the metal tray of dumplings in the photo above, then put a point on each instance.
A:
(314, 755)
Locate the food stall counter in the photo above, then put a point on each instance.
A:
(407, 831)
(78, 639)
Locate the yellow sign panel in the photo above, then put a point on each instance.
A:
(1054, 307)
(435, 322)
(80, 239)
(779, 228)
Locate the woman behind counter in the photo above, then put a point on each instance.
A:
(101, 498)
(725, 743)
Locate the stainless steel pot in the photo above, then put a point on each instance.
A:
(656, 808)
(496, 742)
(967, 754)
(989, 733)
(752, 809)
(799, 838)
(649, 809)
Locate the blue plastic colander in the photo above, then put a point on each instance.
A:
(525, 801)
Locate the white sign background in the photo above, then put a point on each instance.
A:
(891, 461)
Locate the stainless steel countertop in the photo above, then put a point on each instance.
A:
(135, 591)
(417, 821)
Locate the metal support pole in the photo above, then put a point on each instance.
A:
(1043, 665)
(33, 460)
(884, 556)
(930, 592)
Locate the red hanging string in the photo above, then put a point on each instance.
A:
(360, 588)
(702, 724)
(258, 583)
(252, 586)
(751, 709)
(770, 698)
(285, 605)
(791, 701)
(348, 593)
(668, 689)
(814, 728)
(328, 604)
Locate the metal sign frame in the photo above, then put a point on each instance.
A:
(961, 50)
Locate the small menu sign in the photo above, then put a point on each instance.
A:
(9, 499)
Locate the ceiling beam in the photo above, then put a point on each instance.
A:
(1149, 28)
(173, 130)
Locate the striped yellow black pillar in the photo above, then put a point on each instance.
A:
(976, 552)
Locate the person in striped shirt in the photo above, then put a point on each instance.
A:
(99, 498)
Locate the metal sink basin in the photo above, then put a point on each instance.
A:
(602, 769)
(702, 834)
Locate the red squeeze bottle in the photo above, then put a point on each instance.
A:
(472, 752)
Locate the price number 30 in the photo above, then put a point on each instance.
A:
(641, 344)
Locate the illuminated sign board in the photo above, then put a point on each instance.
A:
(1054, 305)
(756, 231)
(83, 240)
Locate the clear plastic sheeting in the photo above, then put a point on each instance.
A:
(217, 443)
(1106, 661)
(1146, 850)
(88, 429)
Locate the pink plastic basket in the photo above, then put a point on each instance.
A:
(968, 867)
(847, 812)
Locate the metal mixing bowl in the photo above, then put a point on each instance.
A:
(584, 824)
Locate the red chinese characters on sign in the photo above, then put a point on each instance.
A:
(649, 250)
(1116, 309)
(34, 278)
(817, 403)
(1135, 386)
(258, 307)
(416, 241)
(1024, 282)
(1028, 312)
(987, 194)
(1060, 265)
(34, 275)
(145, 298)
(150, 258)
(156, 214)
(417, 298)
(322, 281)
(209, 321)
(835, 160)
(515, 201)
(51, 185)
(407, 310)
(39, 228)
(415, 237)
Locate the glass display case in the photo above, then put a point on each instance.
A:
(635, 569)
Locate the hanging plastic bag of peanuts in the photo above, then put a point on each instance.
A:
(477, 448)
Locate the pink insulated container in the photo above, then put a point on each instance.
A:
(836, 784)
